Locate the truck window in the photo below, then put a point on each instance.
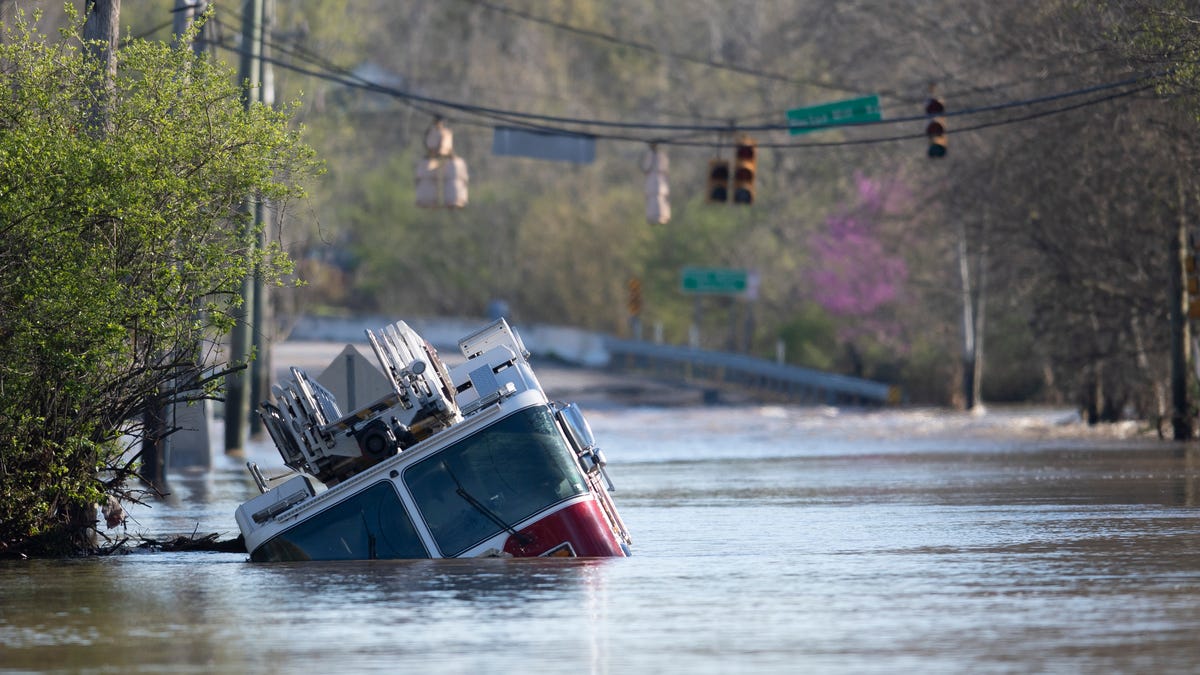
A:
(371, 524)
(499, 477)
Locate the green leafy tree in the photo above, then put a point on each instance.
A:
(121, 256)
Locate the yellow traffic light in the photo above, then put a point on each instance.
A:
(936, 129)
(744, 170)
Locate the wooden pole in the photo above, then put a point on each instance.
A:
(1181, 422)
(968, 321)
(237, 385)
(101, 29)
(262, 321)
(182, 16)
(980, 319)
(102, 23)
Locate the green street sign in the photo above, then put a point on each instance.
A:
(714, 280)
(838, 113)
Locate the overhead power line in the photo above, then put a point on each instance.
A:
(642, 46)
(975, 127)
(712, 63)
(585, 126)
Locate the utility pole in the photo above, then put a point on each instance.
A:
(262, 322)
(181, 20)
(237, 384)
(185, 13)
(155, 415)
(1182, 257)
(980, 316)
(968, 321)
(101, 28)
(102, 22)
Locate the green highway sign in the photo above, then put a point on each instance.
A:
(714, 280)
(838, 113)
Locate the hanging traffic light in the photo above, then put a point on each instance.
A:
(658, 204)
(744, 170)
(718, 180)
(441, 177)
(936, 129)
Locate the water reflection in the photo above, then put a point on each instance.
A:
(490, 582)
(218, 611)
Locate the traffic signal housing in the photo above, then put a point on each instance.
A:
(441, 176)
(718, 180)
(658, 204)
(745, 167)
(936, 129)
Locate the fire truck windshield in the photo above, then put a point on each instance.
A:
(495, 479)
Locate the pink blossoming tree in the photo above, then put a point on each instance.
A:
(854, 276)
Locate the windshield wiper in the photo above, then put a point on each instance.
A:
(479, 506)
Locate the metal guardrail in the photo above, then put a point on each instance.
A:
(765, 377)
(792, 383)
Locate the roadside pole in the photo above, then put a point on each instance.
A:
(188, 446)
(968, 321)
(262, 321)
(1181, 258)
(237, 389)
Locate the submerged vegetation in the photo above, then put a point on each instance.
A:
(125, 246)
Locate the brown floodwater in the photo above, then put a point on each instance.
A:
(765, 540)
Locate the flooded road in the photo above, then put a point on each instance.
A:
(766, 540)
